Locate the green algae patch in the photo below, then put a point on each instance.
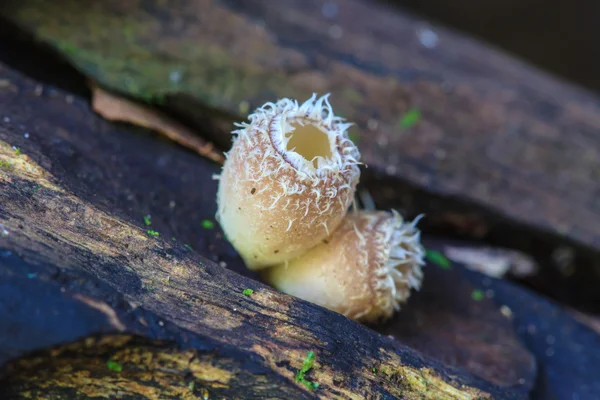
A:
(150, 58)
(412, 383)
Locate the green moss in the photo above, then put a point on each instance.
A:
(410, 118)
(114, 366)
(438, 259)
(208, 224)
(248, 292)
(147, 220)
(306, 366)
(129, 53)
(153, 233)
(477, 295)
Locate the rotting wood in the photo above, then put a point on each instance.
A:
(493, 131)
(567, 351)
(61, 208)
(509, 152)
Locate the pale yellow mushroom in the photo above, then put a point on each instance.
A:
(365, 270)
(287, 182)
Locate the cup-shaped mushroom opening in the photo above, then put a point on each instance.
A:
(310, 138)
(310, 142)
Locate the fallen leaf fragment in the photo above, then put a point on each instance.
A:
(591, 321)
(492, 261)
(117, 108)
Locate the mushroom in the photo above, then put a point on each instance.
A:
(287, 181)
(365, 270)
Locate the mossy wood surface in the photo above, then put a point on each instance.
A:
(491, 131)
(77, 260)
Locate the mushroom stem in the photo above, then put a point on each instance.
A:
(365, 270)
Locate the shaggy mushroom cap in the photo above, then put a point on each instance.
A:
(365, 270)
(287, 182)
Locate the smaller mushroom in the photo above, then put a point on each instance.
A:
(365, 270)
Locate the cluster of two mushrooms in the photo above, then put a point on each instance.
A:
(283, 202)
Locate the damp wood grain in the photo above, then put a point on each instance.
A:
(491, 130)
(99, 301)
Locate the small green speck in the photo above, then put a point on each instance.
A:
(477, 295)
(248, 292)
(410, 118)
(173, 239)
(438, 259)
(208, 224)
(147, 220)
(68, 48)
(153, 233)
(352, 95)
(191, 385)
(17, 151)
(306, 366)
(187, 246)
(114, 366)
(149, 287)
(374, 370)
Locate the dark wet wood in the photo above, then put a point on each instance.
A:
(78, 261)
(454, 321)
(567, 350)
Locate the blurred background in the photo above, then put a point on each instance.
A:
(562, 37)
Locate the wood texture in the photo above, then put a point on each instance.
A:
(78, 261)
(567, 351)
(494, 131)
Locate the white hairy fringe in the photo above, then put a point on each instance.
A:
(276, 120)
(401, 271)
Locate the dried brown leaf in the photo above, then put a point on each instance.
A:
(116, 108)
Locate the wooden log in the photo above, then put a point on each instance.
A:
(501, 150)
(492, 131)
(82, 263)
(130, 367)
(567, 350)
